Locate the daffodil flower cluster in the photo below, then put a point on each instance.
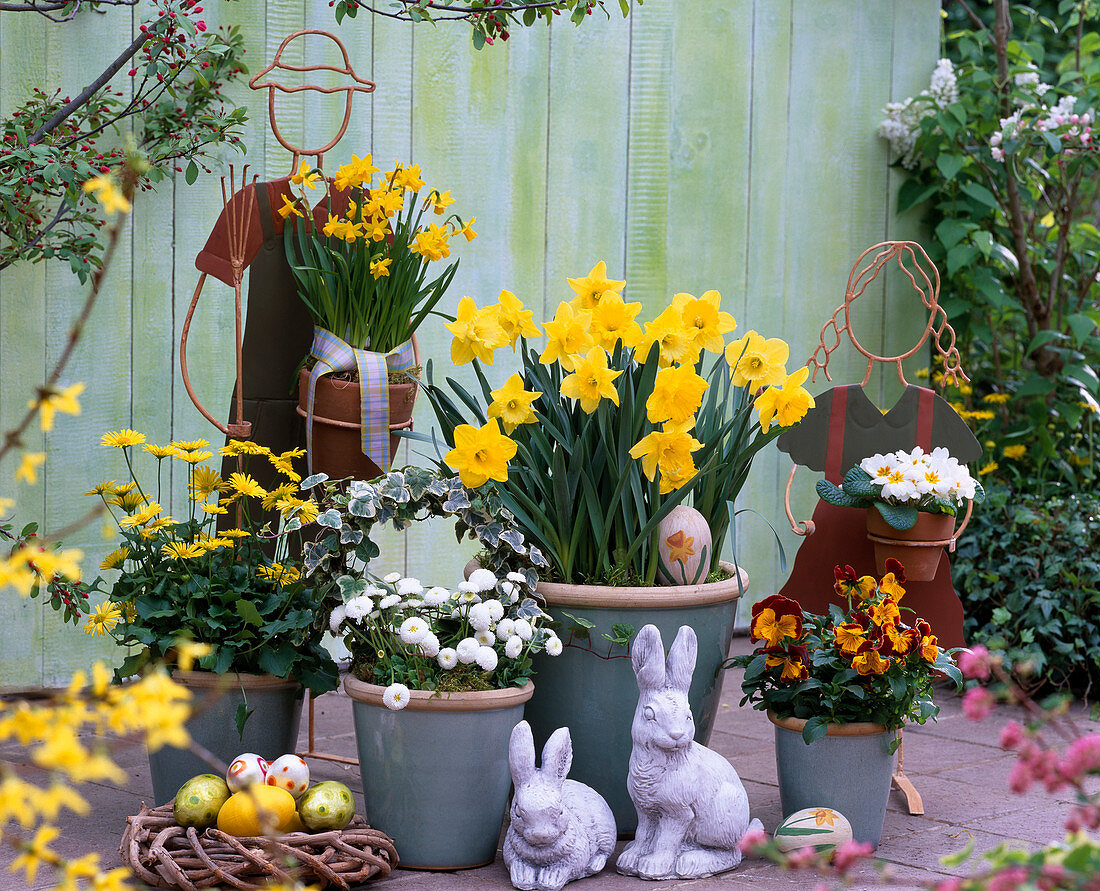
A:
(216, 586)
(606, 384)
(480, 635)
(901, 484)
(68, 738)
(363, 272)
(862, 663)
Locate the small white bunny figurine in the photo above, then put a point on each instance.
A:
(561, 830)
(692, 808)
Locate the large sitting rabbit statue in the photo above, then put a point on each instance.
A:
(560, 829)
(692, 808)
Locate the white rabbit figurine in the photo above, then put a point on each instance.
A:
(692, 808)
(561, 830)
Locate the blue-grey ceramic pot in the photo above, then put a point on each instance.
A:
(270, 731)
(849, 770)
(595, 696)
(435, 774)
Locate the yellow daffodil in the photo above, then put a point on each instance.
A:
(467, 231)
(289, 207)
(613, 320)
(567, 336)
(512, 404)
(27, 471)
(675, 343)
(515, 321)
(756, 361)
(355, 173)
(120, 439)
(108, 194)
(589, 288)
(786, 404)
(408, 177)
(306, 176)
(677, 395)
(103, 618)
(477, 332)
(64, 401)
(591, 381)
(440, 201)
(380, 268)
(705, 322)
(431, 243)
(480, 454)
(668, 450)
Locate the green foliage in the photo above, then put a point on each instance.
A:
(1002, 165)
(491, 20)
(1028, 573)
(175, 115)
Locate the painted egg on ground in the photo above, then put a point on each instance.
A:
(198, 801)
(821, 828)
(327, 805)
(245, 770)
(289, 772)
(684, 547)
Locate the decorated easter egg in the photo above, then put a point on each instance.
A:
(326, 805)
(198, 801)
(821, 828)
(289, 772)
(251, 812)
(245, 770)
(684, 547)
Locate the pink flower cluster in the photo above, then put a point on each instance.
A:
(1036, 764)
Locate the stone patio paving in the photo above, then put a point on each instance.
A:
(956, 765)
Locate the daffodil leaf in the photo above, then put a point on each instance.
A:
(240, 718)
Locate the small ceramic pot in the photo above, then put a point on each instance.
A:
(435, 774)
(917, 549)
(849, 770)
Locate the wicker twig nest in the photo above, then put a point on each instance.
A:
(160, 852)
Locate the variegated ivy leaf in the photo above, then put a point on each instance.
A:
(528, 609)
(313, 554)
(362, 506)
(310, 481)
(513, 538)
(292, 525)
(330, 518)
(535, 556)
(350, 535)
(489, 533)
(351, 587)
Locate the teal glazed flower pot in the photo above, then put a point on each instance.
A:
(435, 774)
(595, 696)
(849, 770)
(270, 731)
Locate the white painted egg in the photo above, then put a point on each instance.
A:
(245, 770)
(684, 547)
(289, 772)
(821, 828)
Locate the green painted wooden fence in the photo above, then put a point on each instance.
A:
(695, 145)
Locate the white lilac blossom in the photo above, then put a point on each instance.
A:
(486, 658)
(482, 580)
(467, 650)
(447, 658)
(902, 124)
(396, 697)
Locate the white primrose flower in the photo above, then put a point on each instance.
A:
(485, 638)
(483, 580)
(496, 609)
(429, 646)
(553, 645)
(358, 607)
(447, 658)
(467, 650)
(388, 601)
(436, 596)
(413, 630)
(396, 697)
(486, 658)
(338, 615)
(523, 629)
(505, 629)
(878, 467)
(479, 617)
(391, 577)
(409, 587)
(513, 647)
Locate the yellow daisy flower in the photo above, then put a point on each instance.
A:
(120, 439)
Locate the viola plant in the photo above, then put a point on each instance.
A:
(902, 484)
(860, 663)
(217, 588)
(364, 274)
(609, 425)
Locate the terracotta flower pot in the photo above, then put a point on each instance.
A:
(337, 416)
(435, 774)
(917, 549)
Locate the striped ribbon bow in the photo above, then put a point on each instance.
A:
(332, 355)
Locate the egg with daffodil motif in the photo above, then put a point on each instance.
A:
(289, 772)
(684, 547)
(820, 828)
(246, 770)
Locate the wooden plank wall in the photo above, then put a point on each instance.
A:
(691, 146)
